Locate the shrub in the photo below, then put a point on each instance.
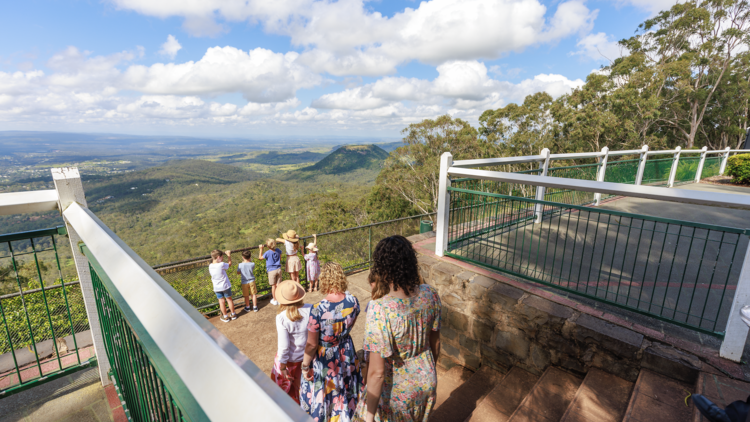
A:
(739, 168)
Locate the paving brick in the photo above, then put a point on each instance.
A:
(505, 397)
(602, 397)
(621, 341)
(550, 397)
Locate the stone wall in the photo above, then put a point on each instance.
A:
(488, 322)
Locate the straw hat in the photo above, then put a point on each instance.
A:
(312, 247)
(289, 291)
(291, 236)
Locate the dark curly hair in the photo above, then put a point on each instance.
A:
(394, 261)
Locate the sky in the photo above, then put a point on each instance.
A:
(259, 68)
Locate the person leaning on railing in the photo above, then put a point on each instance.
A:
(333, 381)
(402, 336)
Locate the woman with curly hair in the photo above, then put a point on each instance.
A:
(402, 336)
(333, 382)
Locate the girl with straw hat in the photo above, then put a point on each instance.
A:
(313, 264)
(291, 326)
(291, 243)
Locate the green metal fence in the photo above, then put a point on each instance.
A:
(711, 167)
(687, 167)
(146, 382)
(656, 171)
(677, 271)
(352, 248)
(43, 324)
(623, 171)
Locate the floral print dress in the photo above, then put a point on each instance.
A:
(399, 330)
(333, 393)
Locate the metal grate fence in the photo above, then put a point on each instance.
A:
(43, 324)
(148, 387)
(681, 272)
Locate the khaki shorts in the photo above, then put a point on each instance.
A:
(274, 277)
(249, 289)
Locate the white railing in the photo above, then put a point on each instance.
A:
(214, 371)
(736, 331)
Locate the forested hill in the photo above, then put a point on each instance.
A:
(349, 158)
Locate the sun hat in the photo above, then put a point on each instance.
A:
(291, 236)
(312, 247)
(289, 291)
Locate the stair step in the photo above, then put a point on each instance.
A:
(602, 397)
(505, 397)
(449, 380)
(465, 398)
(549, 399)
(720, 390)
(657, 398)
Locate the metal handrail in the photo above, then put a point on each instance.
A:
(194, 350)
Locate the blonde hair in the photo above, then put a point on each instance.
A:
(292, 310)
(216, 253)
(332, 278)
(270, 243)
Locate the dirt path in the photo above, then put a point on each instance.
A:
(254, 333)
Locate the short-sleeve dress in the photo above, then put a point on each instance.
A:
(399, 330)
(333, 393)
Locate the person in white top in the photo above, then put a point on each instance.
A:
(291, 244)
(222, 287)
(291, 325)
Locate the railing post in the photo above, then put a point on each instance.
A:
(70, 189)
(673, 170)
(724, 159)
(700, 165)
(541, 190)
(443, 217)
(600, 174)
(641, 165)
(735, 335)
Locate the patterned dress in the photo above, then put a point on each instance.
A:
(399, 330)
(333, 393)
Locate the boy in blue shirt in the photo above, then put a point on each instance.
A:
(246, 270)
(273, 265)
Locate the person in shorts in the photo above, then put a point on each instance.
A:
(246, 270)
(223, 289)
(273, 265)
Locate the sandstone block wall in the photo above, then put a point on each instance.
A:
(488, 322)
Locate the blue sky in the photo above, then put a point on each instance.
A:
(293, 67)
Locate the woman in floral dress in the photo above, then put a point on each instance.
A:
(333, 382)
(402, 334)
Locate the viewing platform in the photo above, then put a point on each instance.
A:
(593, 291)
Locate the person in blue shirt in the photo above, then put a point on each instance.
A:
(273, 265)
(246, 270)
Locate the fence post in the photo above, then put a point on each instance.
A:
(700, 165)
(369, 244)
(724, 159)
(641, 165)
(443, 217)
(70, 189)
(735, 335)
(540, 190)
(600, 174)
(673, 170)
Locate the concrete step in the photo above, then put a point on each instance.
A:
(466, 397)
(602, 397)
(449, 380)
(657, 398)
(549, 399)
(720, 390)
(505, 397)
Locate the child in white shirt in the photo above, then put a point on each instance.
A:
(222, 287)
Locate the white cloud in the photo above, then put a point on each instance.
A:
(170, 47)
(599, 47)
(347, 38)
(462, 86)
